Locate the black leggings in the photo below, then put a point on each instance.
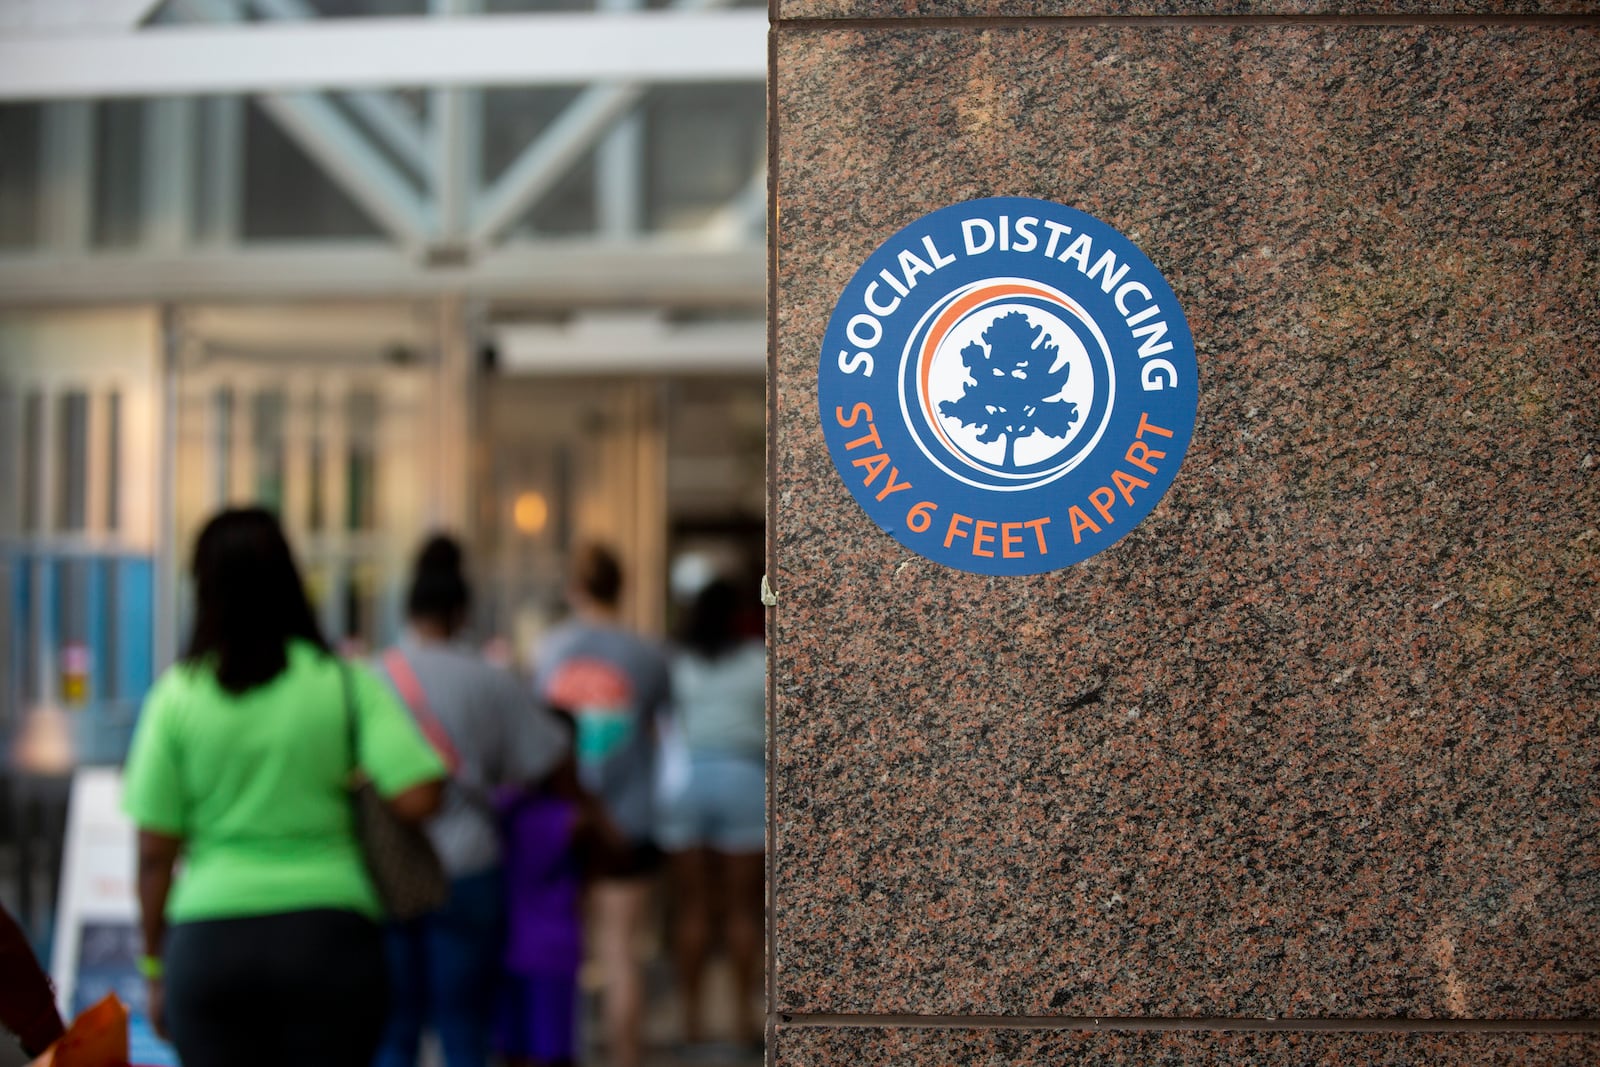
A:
(304, 988)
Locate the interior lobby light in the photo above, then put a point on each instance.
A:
(531, 512)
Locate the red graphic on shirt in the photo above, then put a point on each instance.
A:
(600, 698)
(581, 684)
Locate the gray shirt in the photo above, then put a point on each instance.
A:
(615, 684)
(721, 703)
(499, 732)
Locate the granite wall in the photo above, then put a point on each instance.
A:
(1303, 770)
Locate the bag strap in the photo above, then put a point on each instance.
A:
(405, 680)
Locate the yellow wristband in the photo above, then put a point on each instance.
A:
(150, 967)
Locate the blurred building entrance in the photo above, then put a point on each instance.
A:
(659, 467)
(524, 304)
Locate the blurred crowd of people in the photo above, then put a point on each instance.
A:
(556, 803)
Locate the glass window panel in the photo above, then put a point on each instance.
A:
(569, 208)
(513, 119)
(269, 449)
(72, 462)
(20, 132)
(702, 144)
(114, 462)
(286, 195)
(361, 471)
(119, 172)
(32, 460)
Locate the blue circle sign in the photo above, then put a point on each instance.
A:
(1007, 386)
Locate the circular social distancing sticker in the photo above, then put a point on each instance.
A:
(1007, 386)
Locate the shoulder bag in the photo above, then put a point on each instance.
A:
(404, 867)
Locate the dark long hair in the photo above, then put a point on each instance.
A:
(249, 600)
(439, 589)
(710, 625)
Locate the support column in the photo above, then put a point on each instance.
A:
(457, 143)
(1301, 767)
(452, 406)
(169, 174)
(222, 171)
(619, 170)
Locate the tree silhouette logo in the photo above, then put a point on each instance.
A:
(1015, 378)
(1012, 381)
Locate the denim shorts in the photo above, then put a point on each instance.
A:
(721, 805)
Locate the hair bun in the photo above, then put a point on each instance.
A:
(441, 554)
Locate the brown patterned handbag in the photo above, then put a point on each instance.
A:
(400, 859)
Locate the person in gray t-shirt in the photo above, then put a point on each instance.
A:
(615, 685)
(491, 734)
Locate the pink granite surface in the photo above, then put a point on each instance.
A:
(1319, 738)
(929, 9)
(831, 1047)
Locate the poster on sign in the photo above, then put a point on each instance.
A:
(97, 943)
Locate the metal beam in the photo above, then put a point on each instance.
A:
(619, 177)
(74, 16)
(573, 133)
(612, 342)
(325, 134)
(395, 126)
(457, 132)
(619, 170)
(457, 123)
(352, 162)
(676, 271)
(542, 163)
(545, 49)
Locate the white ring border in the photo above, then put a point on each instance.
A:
(1078, 458)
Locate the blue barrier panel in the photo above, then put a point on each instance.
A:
(136, 625)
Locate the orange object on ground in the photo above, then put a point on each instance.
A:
(97, 1038)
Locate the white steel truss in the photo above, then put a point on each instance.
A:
(553, 49)
(333, 87)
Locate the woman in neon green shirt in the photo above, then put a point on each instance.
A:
(264, 948)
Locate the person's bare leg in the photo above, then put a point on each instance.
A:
(691, 910)
(620, 907)
(745, 904)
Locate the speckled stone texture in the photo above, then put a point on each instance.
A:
(830, 1047)
(1319, 738)
(1191, 9)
